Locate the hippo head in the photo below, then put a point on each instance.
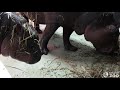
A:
(20, 38)
(103, 33)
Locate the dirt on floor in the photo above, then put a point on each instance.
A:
(59, 63)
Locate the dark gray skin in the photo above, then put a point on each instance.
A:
(81, 23)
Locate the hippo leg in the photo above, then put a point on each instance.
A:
(66, 36)
(37, 29)
(47, 34)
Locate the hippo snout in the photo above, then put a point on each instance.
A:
(36, 56)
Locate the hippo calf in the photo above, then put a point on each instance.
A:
(100, 28)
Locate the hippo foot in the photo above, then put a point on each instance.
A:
(45, 51)
(38, 30)
(71, 48)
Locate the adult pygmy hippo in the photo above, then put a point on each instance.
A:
(18, 38)
(100, 28)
